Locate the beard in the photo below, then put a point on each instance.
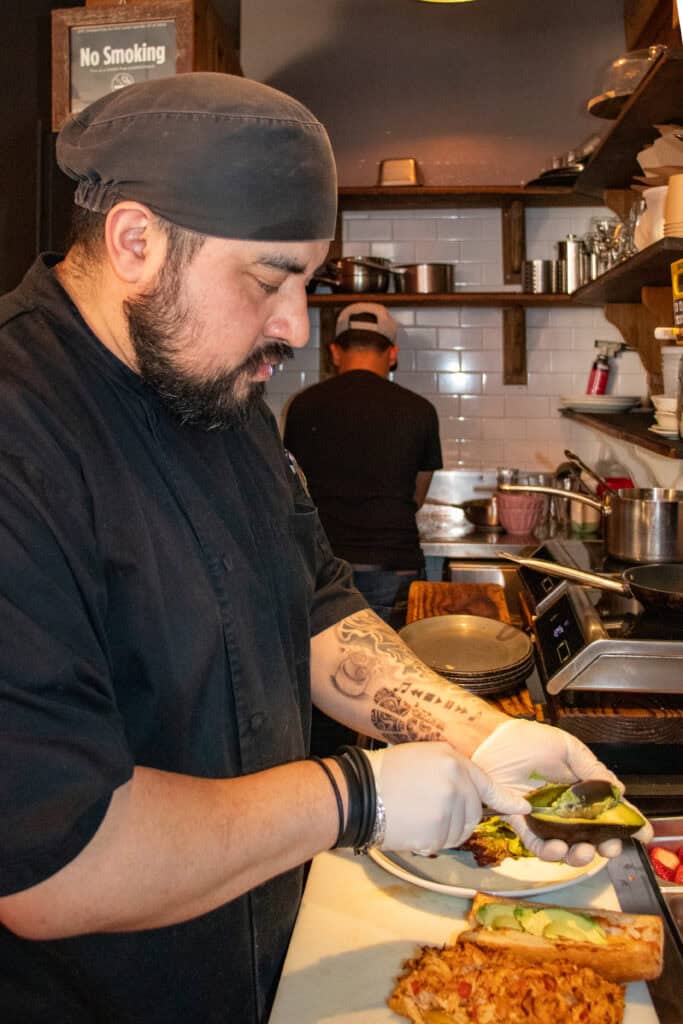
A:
(161, 329)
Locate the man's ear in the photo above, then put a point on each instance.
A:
(335, 353)
(135, 245)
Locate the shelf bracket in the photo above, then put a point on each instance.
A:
(514, 345)
(514, 241)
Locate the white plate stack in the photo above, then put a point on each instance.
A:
(599, 403)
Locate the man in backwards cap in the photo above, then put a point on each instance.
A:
(169, 600)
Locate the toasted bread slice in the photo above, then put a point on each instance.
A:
(630, 946)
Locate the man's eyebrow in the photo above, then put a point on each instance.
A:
(279, 261)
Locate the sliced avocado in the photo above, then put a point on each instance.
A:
(498, 915)
(532, 921)
(567, 925)
(555, 815)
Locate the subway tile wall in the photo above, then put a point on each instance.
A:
(453, 355)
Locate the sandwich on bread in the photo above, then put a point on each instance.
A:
(620, 947)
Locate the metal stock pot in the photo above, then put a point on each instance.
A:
(639, 524)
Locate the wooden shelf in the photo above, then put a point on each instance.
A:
(623, 282)
(448, 299)
(631, 427)
(383, 197)
(658, 99)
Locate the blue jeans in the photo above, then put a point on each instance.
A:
(386, 591)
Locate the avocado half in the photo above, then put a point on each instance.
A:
(586, 812)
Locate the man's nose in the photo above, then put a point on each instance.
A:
(290, 322)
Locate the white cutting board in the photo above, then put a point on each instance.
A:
(356, 926)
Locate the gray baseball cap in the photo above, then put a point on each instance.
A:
(219, 154)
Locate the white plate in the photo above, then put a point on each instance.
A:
(663, 432)
(457, 874)
(598, 403)
(469, 644)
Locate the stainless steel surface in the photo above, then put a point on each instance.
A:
(540, 276)
(425, 278)
(574, 262)
(356, 274)
(505, 576)
(482, 512)
(638, 893)
(640, 524)
(476, 544)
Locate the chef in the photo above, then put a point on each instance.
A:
(169, 601)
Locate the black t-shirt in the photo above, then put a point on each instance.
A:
(361, 440)
(159, 586)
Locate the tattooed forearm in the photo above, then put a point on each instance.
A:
(409, 700)
(399, 721)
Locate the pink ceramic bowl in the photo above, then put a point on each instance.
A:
(520, 513)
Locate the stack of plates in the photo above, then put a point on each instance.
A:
(599, 403)
(482, 655)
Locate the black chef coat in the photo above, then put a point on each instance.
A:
(159, 586)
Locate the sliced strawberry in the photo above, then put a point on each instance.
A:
(679, 853)
(665, 862)
(678, 877)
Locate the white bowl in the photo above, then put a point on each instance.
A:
(666, 420)
(664, 403)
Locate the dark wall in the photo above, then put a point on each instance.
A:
(35, 197)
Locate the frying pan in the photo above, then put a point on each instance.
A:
(655, 586)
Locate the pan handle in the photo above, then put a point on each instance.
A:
(565, 572)
(586, 499)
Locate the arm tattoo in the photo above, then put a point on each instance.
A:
(407, 695)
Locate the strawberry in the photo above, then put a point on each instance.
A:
(678, 877)
(665, 862)
(679, 853)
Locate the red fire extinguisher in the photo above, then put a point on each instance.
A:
(599, 375)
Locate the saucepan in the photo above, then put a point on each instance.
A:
(639, 524)
(424, 278)
(478, 511)
(655, 586)
(356, 274)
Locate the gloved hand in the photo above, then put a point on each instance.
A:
(521, 755)
(433, 796)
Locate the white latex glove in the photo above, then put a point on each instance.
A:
(433, 796)
(520, 755)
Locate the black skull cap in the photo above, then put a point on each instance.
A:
(218, 154)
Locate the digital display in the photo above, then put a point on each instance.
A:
(559, 635)
(540, 584)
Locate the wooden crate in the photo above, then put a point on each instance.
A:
(203, 41)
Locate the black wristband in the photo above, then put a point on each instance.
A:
(356, 759)
(337, 796)
(354, 803)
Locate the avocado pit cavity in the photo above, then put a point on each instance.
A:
(585, 812)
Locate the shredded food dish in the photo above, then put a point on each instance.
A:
(463, 984)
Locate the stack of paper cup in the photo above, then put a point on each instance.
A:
(673, 207)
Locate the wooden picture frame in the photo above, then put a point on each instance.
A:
(95, 21)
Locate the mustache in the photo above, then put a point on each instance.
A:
(278, 351)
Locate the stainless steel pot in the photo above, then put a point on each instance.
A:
(639, 524)
(357, 275)
(424, 278)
